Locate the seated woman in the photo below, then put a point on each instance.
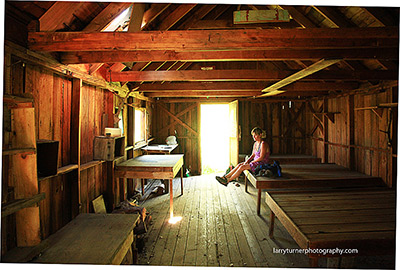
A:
(259, 156)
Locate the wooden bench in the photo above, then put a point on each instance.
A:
(363, 221)
(92, 239)
(289, 158)
(295, 176)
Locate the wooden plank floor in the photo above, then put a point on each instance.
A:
(219, 227)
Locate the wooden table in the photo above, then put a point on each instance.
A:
(153, 167)
(92, 239)
(297, 176)
(362, 219)
(159, 149)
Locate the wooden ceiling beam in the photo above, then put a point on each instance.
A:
(251, 55)
(204, 93)
(315, 38)
(225, 94)
(107, 15)
(335, 17)
(247, 75)
(152, 13)
(381, 16)
(57, 14)
(245, 86)
(175, 16)
(225, 24)
(322, 64)
(200, 14)
(299, 17)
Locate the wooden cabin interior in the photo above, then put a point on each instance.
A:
(91, 88)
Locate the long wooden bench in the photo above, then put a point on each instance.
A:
(325, 223)
(295, 176)
(289, 158)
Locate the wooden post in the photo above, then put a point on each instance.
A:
(393, 158)
(109, 194)
(76, 144)
(350, 122)
(259, 202)
(325, 155)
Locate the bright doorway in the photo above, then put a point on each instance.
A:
(214, 138)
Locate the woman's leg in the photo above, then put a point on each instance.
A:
(239, 170)
(228, 175)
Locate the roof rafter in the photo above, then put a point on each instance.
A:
(324, 63)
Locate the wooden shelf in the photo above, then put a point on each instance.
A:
(378, 109)
(91, 164)
(15, 206)
(28, 151)
(61, 170)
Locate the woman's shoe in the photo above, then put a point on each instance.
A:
(222, 180)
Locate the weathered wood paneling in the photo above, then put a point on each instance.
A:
(285, 126)
(165, 125)
(52, 101)
(373, 155)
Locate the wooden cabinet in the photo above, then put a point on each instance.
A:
(108, 148)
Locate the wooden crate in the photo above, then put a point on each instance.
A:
(47, 157)
(108, 148)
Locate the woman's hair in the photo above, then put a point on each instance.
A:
(259, 131)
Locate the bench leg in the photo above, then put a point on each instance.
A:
(142, 182)
(314, 262)
(258, 201)
(271, 225)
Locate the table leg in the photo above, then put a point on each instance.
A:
(167, 185)
(171, 200)
(258, 201)
(271, 225)
(142, 181)
(245, 183)
(181, 181)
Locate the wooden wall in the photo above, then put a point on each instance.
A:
(354, 139)
(184, 119)
(369, 146)
(286, 126)
(52, 96)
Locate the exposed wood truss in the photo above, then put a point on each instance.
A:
(243, 55)
(386, 37)
(274, 89)
(173, 42)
